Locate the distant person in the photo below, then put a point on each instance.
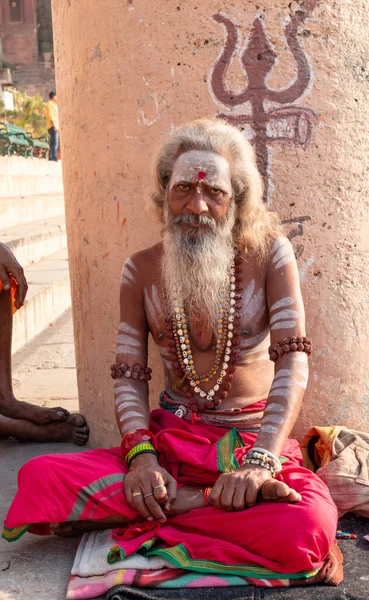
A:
(52, 124)
(22, 420)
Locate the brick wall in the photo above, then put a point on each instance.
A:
(19, 39)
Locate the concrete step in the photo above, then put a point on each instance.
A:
(21, 176)
(47, 298)
(31, 242)
(31, 207)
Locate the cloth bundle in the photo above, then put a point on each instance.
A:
(340, 457)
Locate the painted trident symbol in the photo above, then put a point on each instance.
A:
(286, 123)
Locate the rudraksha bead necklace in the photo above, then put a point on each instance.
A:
(226, 348)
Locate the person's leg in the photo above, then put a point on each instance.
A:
(73, 429)
(56, 144)
(9, 406)
(51, 134)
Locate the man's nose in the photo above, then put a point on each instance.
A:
(197, 205)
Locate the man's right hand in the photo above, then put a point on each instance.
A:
(147, 478)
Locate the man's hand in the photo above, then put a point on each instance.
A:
(10, 265)
(147, 478)
(238, 490)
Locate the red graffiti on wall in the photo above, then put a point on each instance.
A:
(286, 123)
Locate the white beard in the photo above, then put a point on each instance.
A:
(196, 264)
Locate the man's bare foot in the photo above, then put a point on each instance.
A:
(73, 429)
(77, 528)
(16, 409)
(277, 491)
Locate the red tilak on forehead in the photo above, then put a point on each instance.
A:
(201, 175)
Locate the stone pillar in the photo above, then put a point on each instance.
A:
(293, 76)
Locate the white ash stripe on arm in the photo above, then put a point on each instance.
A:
(274, 407)
(278, 419)
(280, 392)
(284, 314)
(282, 373)
(268, 428)
(283, 382)
(287, 301)
(128, 340)
(127, 351)
(284, 325)
(131, 404)
(283, 254)
(126, 328)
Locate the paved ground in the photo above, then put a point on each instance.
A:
(35, 568)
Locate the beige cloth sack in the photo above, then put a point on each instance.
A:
(347, 475)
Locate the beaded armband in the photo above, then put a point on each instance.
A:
(119, 370)
(290, 344)
(133, 438)
(143, 448)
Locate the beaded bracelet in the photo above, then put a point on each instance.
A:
(144, 447)
(133, 438)
(260, 463)
(119, 370)
(290, 344)
(263, 458)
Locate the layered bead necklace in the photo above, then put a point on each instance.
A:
(226, 348)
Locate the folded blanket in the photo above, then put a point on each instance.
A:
(92, 552)
(124, 584)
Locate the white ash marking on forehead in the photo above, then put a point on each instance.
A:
(216, 167)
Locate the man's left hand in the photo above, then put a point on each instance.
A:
(10, 265)
(239, 489)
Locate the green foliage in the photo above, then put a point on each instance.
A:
(28, 113)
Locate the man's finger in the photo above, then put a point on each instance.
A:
(159, 488)
(239, 496)
(21, 288)
(154, 507)
(216, 494)
(138, 503)
(172, 492)
(251, 494)
(4, 278)
(226, 498)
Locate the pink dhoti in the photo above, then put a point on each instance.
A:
(269, 540)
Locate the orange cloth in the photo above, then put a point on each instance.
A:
(52, 115)
(13, 289)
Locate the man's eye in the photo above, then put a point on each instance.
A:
(183, 187)
(215, 191)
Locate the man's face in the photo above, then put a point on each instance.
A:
(200, 187)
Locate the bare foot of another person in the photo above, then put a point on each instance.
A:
(16, 409)
(77, 528)
(277, 491)
(73, 429)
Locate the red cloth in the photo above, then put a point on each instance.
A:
(286, 538)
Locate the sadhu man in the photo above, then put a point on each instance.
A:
(210, 478)
(22, 420)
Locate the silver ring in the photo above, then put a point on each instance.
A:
(159, 486)
(147, 495)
